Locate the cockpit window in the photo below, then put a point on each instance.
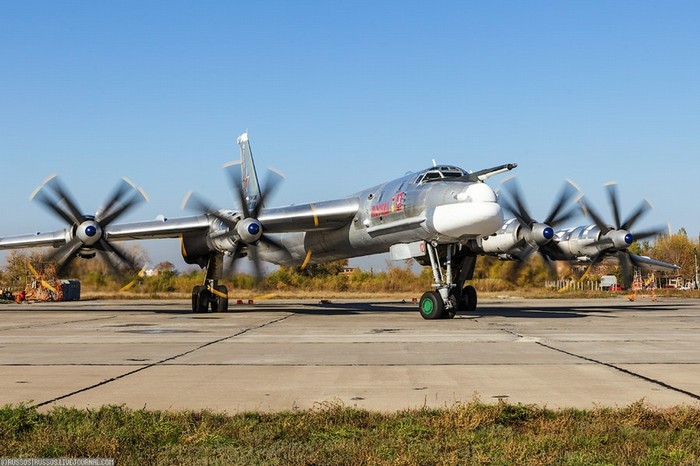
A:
(439, 173)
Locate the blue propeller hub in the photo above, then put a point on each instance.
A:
(249, 230)
(629, 238)
(89, 232)
(548, 233)
(253, 229)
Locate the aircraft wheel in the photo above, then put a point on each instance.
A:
(469, 299)
(431, 305)
(220, 304)
(200, 299)
(452, 311)
(195, 298)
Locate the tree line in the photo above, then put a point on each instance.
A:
(490, 273)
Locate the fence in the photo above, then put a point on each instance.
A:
(574, 285)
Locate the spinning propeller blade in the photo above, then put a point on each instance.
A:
(615, 240)
(247, 231)
(86, 232)
(537, 236)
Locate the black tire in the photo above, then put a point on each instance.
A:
(220, 304)
(469, 299)
(195, 298)
(431, 306)
(200, 299)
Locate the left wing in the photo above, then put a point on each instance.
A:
(649, 263)
(646, 262)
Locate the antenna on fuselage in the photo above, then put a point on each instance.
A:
(434, 163)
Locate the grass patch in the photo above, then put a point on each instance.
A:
(470, 433)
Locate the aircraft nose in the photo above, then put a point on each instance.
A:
(477, 192)
(477, 213)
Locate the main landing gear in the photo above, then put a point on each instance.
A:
(450, 295)
(211, 295)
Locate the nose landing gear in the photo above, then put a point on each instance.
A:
(450, 295)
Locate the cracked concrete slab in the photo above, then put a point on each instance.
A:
(281, 355)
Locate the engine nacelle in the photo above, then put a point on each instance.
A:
(576, 243)
(621, 239)
(195, 249)
(503, 242)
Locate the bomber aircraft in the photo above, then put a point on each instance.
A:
(442, 216)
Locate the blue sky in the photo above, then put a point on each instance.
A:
(344, 95)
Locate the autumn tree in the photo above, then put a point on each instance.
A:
(165, 267)
(676, 249)
(16, 268)
(324, 269)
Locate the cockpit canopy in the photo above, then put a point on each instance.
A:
(438, 173)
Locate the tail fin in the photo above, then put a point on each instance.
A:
(251, 186)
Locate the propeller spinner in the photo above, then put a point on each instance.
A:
(86, 233)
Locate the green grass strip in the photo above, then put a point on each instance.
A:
(470, 433)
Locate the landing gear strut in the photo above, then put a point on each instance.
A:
(211, 295)
(450, 295)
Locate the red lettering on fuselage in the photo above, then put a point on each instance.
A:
(386, 208)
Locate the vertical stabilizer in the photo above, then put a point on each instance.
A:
(249, 177)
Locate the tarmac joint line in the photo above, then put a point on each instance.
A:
(625, 371)
(162, 361)
(695, 396)
(51, 324)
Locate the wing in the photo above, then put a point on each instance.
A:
(158, 229)
(652, 264)
(153, 229)
(37, 240)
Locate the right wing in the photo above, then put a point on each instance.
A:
(652, 264)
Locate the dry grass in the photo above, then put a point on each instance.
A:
(530, 293)
(471, 433)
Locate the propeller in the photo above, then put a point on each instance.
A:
(244, 229)
(615, 240)
(86, 232)
(537, 236)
